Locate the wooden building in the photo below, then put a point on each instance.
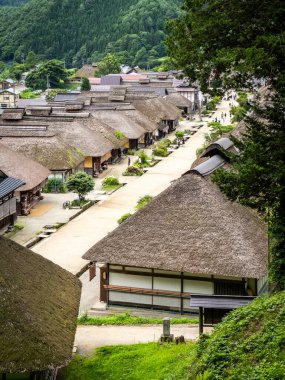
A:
(189, 240)
(181, 102)
(38, 314)
(33, 175)
(8, 208)
(8, 98)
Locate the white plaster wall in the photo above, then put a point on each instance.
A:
(128, 297)
(198, 287)
(167, 284)
(166, 301)
(131, 280)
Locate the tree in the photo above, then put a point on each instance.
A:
(85, 86)
(80, 183)
(31, 60)
(17, 70)
(230, 43)
(108, 65)
(51, 73)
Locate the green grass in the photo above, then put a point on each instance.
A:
(151, 361)
(127, 319)
(109, 188)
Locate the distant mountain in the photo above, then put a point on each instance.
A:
(85, 30)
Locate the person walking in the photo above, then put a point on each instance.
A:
(129, 161)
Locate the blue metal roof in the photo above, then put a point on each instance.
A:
(9, 184)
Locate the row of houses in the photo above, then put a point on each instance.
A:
(77, 132)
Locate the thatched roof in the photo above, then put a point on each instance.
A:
(38, 311)
(86, 71)
(17, 165)
(157, 109)
(190, 227)
(119, 122)
(50, 152)
(107, 132)
(178, 100)
(83, 136)
(140, 119)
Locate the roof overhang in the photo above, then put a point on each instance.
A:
(219, 302)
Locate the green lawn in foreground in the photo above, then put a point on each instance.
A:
(151, 361)
(127, 319)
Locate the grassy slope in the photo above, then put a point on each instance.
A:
(248, 345)
(150, 361)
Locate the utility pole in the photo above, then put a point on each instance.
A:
(48, 83)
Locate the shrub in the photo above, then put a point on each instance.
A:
(131, 152)
(143, 201)
(160, 152)
(123, 218)
(133, 171)
(28, 94)
(85, 86)
(238, 113)
(143, 160)
(179, 134)
(119, 135)
(165, 143)
(55, 185)
(110, 181)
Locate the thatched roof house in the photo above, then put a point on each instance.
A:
(17, 165)
(38, 311)
(180, 101)
(189, 240)
(177, 231)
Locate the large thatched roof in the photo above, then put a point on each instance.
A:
(17, 165)
(157, 109)
(178, 100)
(120, 122)
(190, 227)
(51, 152)
(38, 310)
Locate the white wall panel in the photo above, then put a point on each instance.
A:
(130, 297)
(166, 301)
(198, 287)
(161, 283)
(131, 280)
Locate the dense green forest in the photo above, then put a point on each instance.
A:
(12, 3)
(81, 31)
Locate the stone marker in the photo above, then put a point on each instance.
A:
(166, 336)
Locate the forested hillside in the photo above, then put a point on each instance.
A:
(85, 30)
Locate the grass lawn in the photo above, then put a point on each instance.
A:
(150, 361)
(127, 319)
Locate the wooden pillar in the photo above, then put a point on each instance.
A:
(201, 320)
(181, 294)
(103, 281)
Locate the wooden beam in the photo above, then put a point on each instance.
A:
(201, 322)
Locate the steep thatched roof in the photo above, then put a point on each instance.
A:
(86, 71)
(50, 152)
(17, 165)
(107, 132)
(157, 109)
(141, 119)
(190, 227)
(83, 136)
(38, 311)
(178, 100)
(119, 122)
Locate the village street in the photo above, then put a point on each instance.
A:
(88, 338)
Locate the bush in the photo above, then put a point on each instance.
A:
(28, 94)
(78, 203)
(160, 152)
(131, 152)
(85, 86)
(179, 134)
(110, 181)
(55, 185)
(165, 143)
(119, 135)
(123, 218)
(133, 171)
(238, 113)
(143, 160)
(143, 201)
